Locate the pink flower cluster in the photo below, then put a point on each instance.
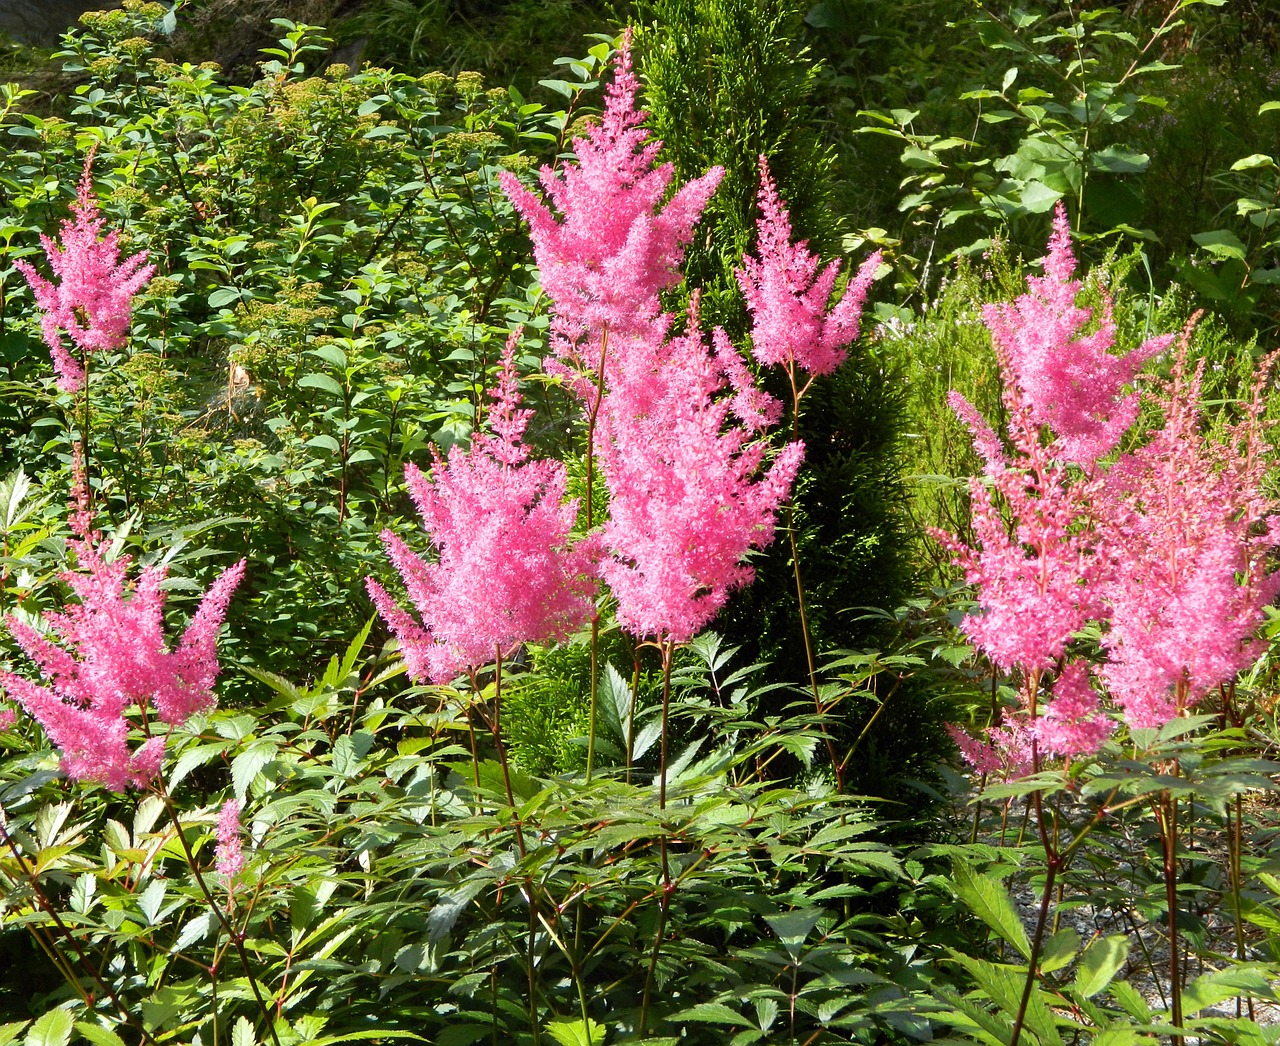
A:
(506, 573)
(228, 855)
(107, 654)
(93, 298)
(788, 292)
(1167, 547)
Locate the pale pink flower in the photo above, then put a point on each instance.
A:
(7, 718)
(92, 300)
(1003, 751)
(788, 295)
(107, 654)
(229, 857)
(690, 493)
(615, 245)
(1073, 724)
(1072, 382)
(506, 573)
(1191, 532)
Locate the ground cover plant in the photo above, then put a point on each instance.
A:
(290, 538)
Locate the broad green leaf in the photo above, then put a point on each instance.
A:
(1221, 243)
(1059, 950)
(320, 381)
(576, 1033)
(793, 928)
(990, 902)
(1100, 963)
(50, 1029)
(151, 899)
(9, 1032)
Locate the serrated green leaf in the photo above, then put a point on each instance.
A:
(10, 1031)
(242, 1033)
(990, 902)
(98, 1035)
(50, 1029)
(577, 1033)
(1100, 963)
(712, 1013)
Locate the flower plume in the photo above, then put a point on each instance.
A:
(92, 299)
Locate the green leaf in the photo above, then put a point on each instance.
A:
(990, 902)
(246, 766)
(151, 899)
(9, 1032)
(712, 1013)
(1038, 197)
(575, 1033)
(1267, 107)
(51, 1029)
(1221, 243)
(793, 928)
(1249, 163)
(1100, 963)
(320, 381)
(1059, 950)
(223, 296)
(98, 1035)
(242, 1033)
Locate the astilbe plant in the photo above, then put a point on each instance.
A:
(92, 298)
(506, 571)
(107, 655)
(1165, 550)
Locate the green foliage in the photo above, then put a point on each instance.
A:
(337, 271)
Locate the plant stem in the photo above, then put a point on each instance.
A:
(237, 941)
(1051, 872)
(1167, 818)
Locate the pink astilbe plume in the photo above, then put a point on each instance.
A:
(92, 300)
(788, 291)
(610, 251)
(229, 856)
(1073, 724)
(1034, 563)
(107, 654)
(506, 573)
(689, 491)
(1191, 534)
(1073, 383)
(1003, 751)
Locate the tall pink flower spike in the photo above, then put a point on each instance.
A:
(107, 654)
(92, 300)
(1191, 534)
(613, 248)
(687, 495)
(1073, 383)
(506, 573)
(788, 295)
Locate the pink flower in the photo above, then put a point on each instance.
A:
(788, 295)
(1034, 568)
(1073, 724)
(605, 259)
(7, 718)
(106, 654)
(506, 573)
(1191, 532)
(93, 298)
(1003, 751)
(229, 858)
(689, 492)
(1071, 382)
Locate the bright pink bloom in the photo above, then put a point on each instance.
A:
(229, 857)
(506, 573)
(788, 295)
(1073, 723)
(1191, 532)
(1033, 569)
(689, 492)
(93, 298)
(604, 261)
(106, 654)
(1073, 383)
